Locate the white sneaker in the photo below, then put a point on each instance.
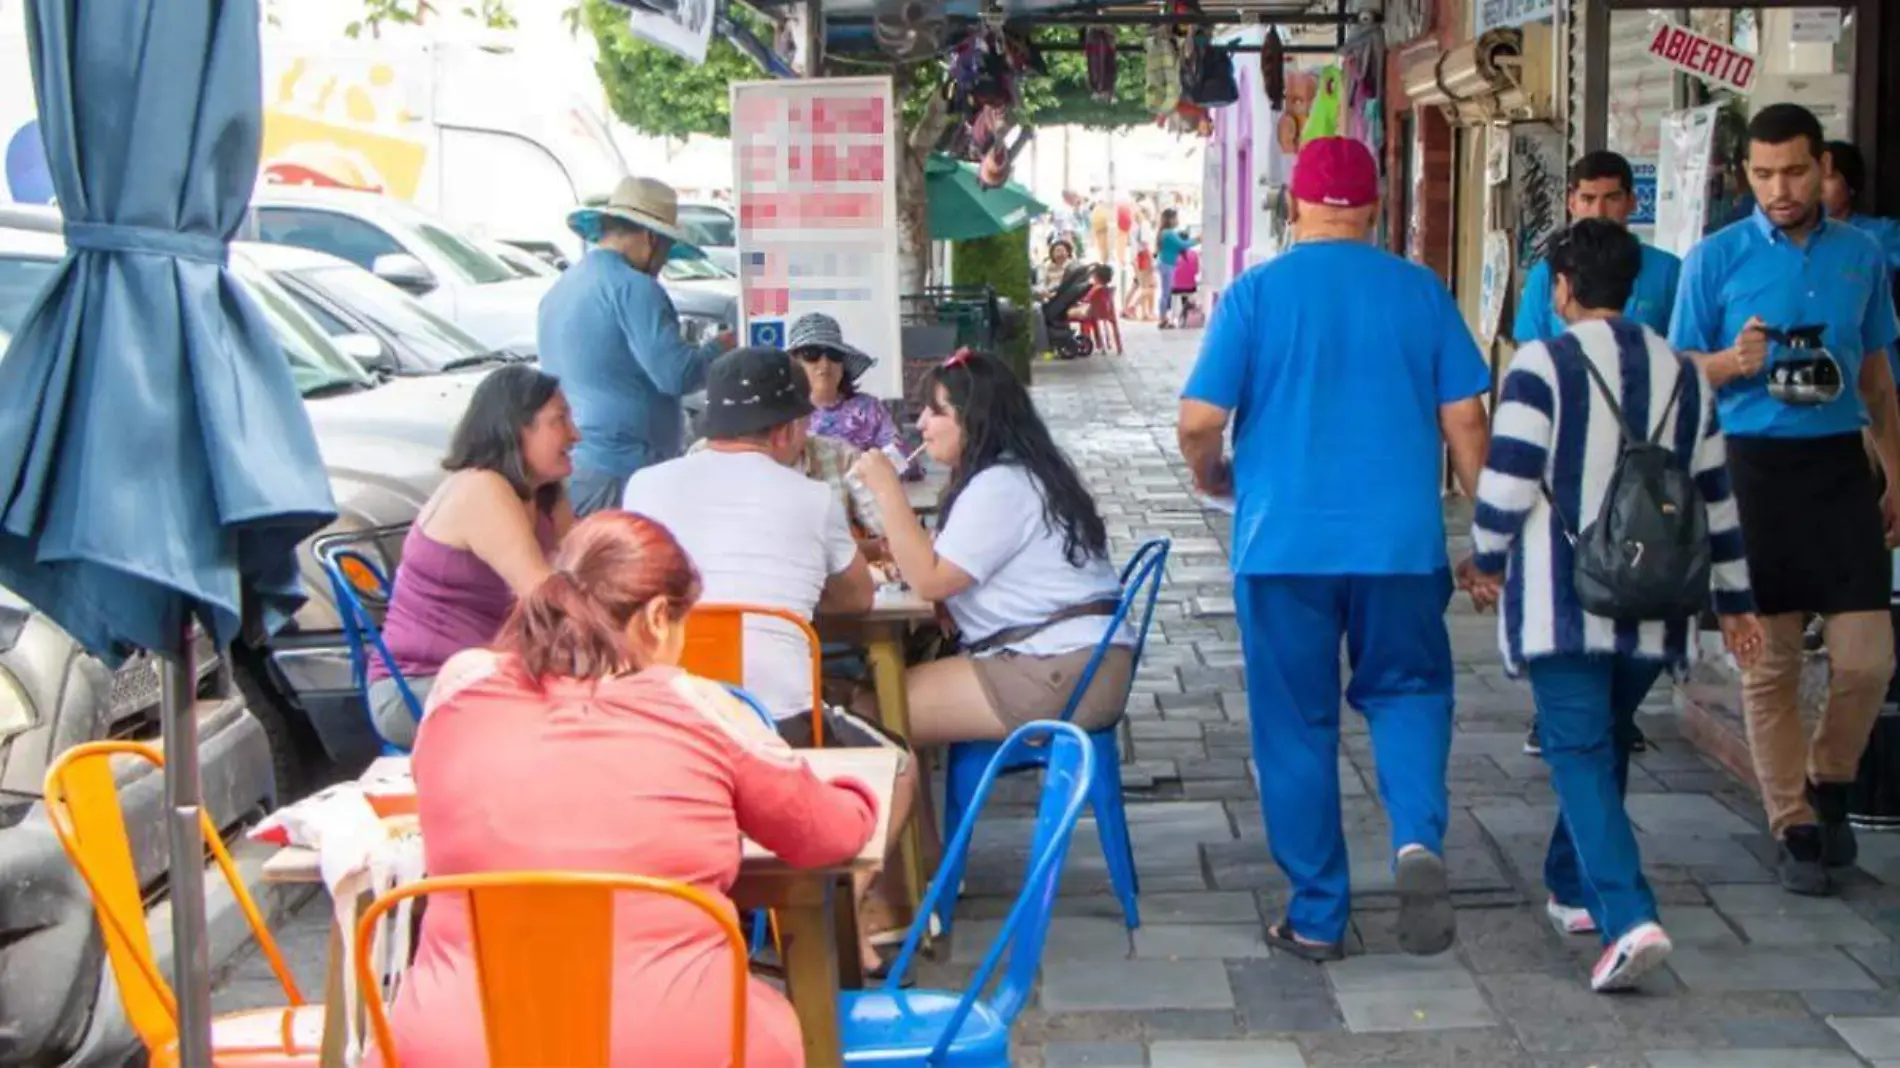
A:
(1630, 958)
(1569, 920)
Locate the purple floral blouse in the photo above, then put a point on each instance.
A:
(859, 420)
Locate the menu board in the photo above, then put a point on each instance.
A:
(815, 186)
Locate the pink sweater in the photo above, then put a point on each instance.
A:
(641, 775)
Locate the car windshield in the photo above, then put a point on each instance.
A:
(708, 227)
(317, 366)
(21, 279)
(465, 256)
(422, 333)
(697, 269)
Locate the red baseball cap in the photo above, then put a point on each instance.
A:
(1336, 171)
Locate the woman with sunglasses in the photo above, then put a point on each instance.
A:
(1020, 561)
(833, 369)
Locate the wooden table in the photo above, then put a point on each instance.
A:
(881, 631)
(817, 918)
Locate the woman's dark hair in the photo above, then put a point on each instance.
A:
(1170, 219)
(489, 436)
(1001, 425)
(1065, 243)
(1601, 259)
(1850, 166)
(609, 568)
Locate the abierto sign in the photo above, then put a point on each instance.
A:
(1706, 58)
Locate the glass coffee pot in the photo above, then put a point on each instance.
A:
(1801, 371)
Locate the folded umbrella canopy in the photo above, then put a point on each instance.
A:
(961, 209)
(156, 463)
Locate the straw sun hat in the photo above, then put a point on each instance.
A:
(647, 203)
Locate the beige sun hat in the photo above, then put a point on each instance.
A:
(647, 203)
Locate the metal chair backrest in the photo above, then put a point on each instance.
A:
(1068, 770)
(1141, 584)
(82, 804)
(715, 649)
(544, 956)
(359, 627)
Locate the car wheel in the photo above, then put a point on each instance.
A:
(295, 751)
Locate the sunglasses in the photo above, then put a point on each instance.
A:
(816, 355)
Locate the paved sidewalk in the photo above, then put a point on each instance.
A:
(1759, 979)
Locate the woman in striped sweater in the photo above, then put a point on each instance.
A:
(1554, 428)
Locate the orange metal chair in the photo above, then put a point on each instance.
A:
(82, 803)
(544, 952)
(715, 649)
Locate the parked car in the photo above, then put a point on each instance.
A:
(349, 302)
(272, 725)
(447, 271)
(407, 248)
(715, 229)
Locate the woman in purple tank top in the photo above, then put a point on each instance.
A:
(483, 538)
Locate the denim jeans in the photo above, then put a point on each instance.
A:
(1586, 720)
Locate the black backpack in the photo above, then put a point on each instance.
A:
(1647, 555)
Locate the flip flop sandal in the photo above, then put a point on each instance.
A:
(1280, 937)
(1427, 923)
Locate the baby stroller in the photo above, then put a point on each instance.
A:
(1064, 340)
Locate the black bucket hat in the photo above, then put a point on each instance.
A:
(750, 391)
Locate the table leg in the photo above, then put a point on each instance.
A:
(844, 922)
(885, 652)
(811, 977)
(334, 1052)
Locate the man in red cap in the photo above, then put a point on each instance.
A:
(1346, 371)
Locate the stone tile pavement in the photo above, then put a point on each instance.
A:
(1759, 979)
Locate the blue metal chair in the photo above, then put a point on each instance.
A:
(761, 918)
(1141, 584)
(890, 1026)
(359, 627)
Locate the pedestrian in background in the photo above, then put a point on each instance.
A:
(1346, 372)
(1817, 517)
(1566, 410)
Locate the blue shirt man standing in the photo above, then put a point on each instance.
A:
(1817, 517)
(610, 333)
(1345, 372)
(1602, 186)
(1841, 189)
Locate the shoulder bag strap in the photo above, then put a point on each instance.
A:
(1012, 635)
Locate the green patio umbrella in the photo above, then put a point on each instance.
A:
(961, 209)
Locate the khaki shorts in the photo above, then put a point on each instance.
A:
(1022, 688)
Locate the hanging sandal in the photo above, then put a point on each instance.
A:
(1280, 936)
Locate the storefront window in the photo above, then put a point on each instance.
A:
(1803, 55)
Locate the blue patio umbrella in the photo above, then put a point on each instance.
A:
(156, 464)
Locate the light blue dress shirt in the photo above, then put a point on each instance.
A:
(1838, 280)
(1884, 231)
(1650, 303)
(611, 335)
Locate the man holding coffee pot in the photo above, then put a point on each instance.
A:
(1789, 314)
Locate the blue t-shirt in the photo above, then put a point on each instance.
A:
(1838, 280)
(1335, 358)
(1650, 302)
(611, 335)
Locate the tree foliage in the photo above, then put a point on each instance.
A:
(658, 93)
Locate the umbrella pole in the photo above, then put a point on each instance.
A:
(184, 803)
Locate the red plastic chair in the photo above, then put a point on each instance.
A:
(1099, 321)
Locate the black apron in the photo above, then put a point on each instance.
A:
(1811, 524)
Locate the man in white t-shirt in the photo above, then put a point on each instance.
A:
(760, 531)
